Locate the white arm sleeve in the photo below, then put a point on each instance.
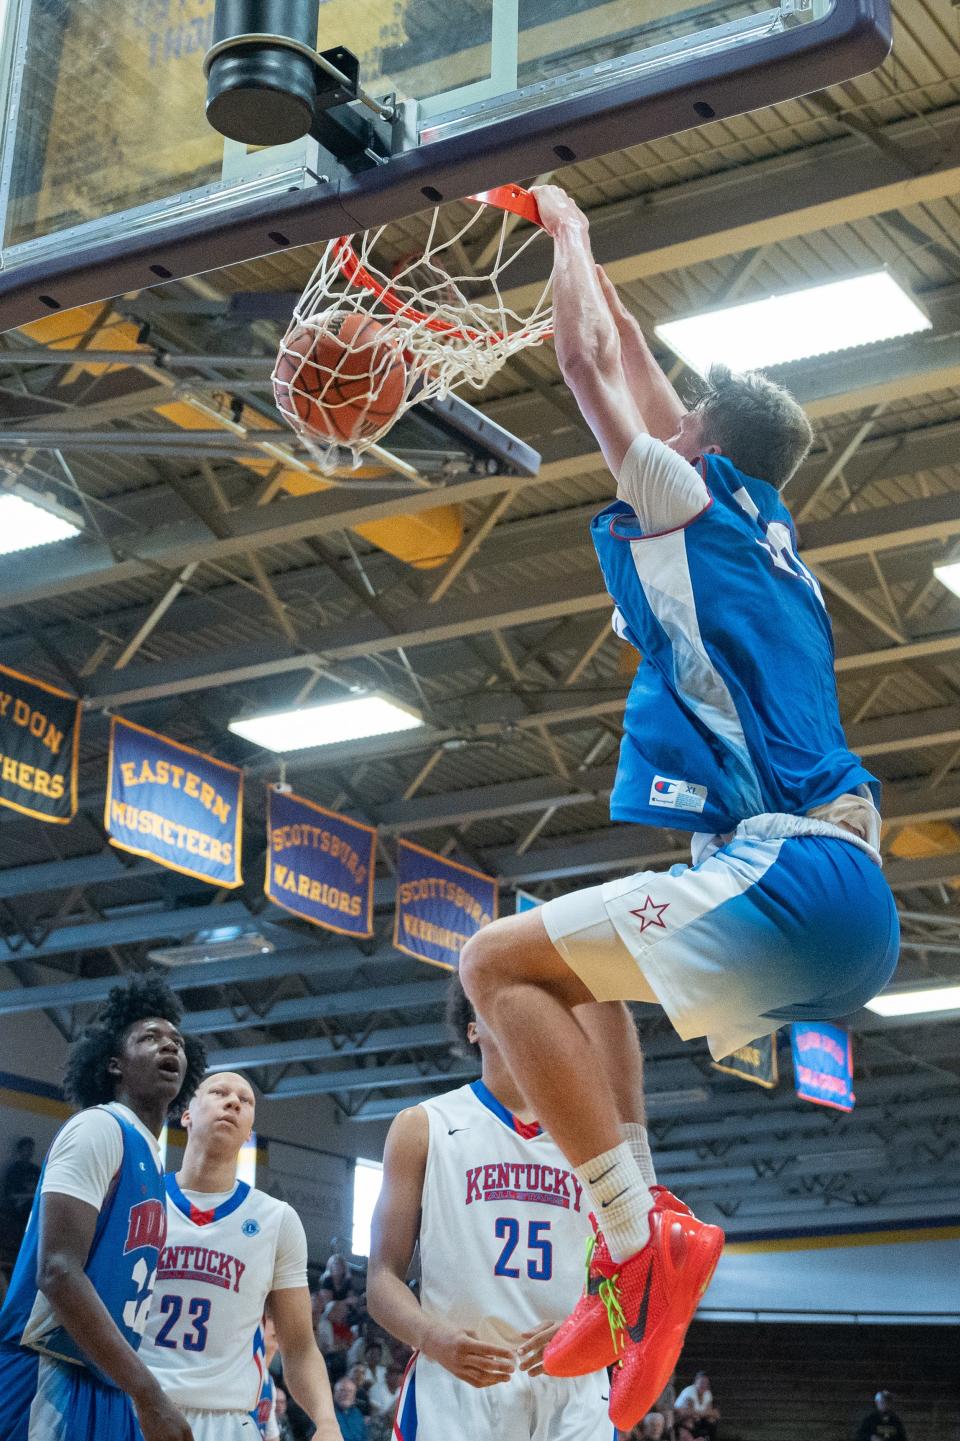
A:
(84, 1158)
(290, 1266)
(664, 490)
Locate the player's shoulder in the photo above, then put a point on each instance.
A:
(266, 1205)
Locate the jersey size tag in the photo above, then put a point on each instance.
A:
(677, 795)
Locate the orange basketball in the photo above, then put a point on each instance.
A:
(338, 379)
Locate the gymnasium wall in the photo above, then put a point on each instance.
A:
(884, 1275)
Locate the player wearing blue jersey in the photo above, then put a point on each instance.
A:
(72, 1321)
(732, 731)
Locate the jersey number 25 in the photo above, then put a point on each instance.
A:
(539, 1249)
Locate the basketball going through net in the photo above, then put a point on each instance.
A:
(372, 336)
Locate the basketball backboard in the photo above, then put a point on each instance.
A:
(111, 179)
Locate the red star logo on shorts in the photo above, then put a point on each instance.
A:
(650, 914)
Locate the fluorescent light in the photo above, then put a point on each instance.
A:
(916, 1003)
(24, 525)
(861, 310)
(949, 575)
(324, 725)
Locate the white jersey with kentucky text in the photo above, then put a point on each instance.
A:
(503, 1232)
(504, 1223)
(203, 1341)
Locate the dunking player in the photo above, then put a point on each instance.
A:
(501, 1220)
(71, 1325)
(732, 731)
(229, 1249)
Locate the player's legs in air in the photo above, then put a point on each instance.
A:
(732, 732)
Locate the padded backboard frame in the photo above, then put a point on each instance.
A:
(285, 200)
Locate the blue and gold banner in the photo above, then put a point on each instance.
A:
(39, 742)
(320, 865)
(823, 1064)
(440, 905)
(756, 1062)
(174, 805)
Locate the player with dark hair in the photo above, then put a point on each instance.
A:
(731, 731)
(501, 1222)
(74, 1316)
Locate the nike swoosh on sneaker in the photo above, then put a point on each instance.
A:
(636, 1332)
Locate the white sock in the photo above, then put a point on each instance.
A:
(620, 1199)
(639, 1142)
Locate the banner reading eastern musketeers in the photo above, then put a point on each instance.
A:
(174, 805)
(823, 1064)
(39, 740)
(320, 865)
(756, 1062)
(440, 905)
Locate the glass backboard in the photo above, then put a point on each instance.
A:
(111, 178)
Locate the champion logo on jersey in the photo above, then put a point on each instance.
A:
(523, 1181)
(651, 914)
(146, 1226)
(677, 795)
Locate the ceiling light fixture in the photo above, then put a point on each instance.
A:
(372, 714)
(25, 522)
(923, 1001)
(798, 325)
(949, 575)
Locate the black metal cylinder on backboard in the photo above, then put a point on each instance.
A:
(262, 91)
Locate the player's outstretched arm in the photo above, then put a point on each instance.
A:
(304, 1371)
(396, 1226)
(586, 335)
(658, 402)
(67, 1227)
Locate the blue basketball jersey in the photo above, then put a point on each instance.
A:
(733, 712)
(122, 1264)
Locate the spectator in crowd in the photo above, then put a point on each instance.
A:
(19, 1185)
(882, 1423)
(349, 1419)
(358, 1375)
(383, 1394)
(369, 1354)
(334, 1332)
(695, 1409)
(280, 1412)
(666, 1404)
(337, 1278)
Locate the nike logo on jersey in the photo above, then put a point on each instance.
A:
(454, 1129)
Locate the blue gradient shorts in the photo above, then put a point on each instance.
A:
(786, 922)
(45, 1400)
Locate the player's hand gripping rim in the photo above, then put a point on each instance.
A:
(530, 1353)
(468, 1358)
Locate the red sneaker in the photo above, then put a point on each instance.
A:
(592, 1338)
(659, 1289)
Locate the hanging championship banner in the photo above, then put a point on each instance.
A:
(320, 865)
(174, 805)
(39, 742)
(756, 1062)
(440, 905)
(823, 1064)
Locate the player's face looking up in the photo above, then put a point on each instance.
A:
(151, 1063)
(221, 1113)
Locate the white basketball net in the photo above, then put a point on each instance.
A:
(451, 328)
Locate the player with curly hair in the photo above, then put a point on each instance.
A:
(73, 1318)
